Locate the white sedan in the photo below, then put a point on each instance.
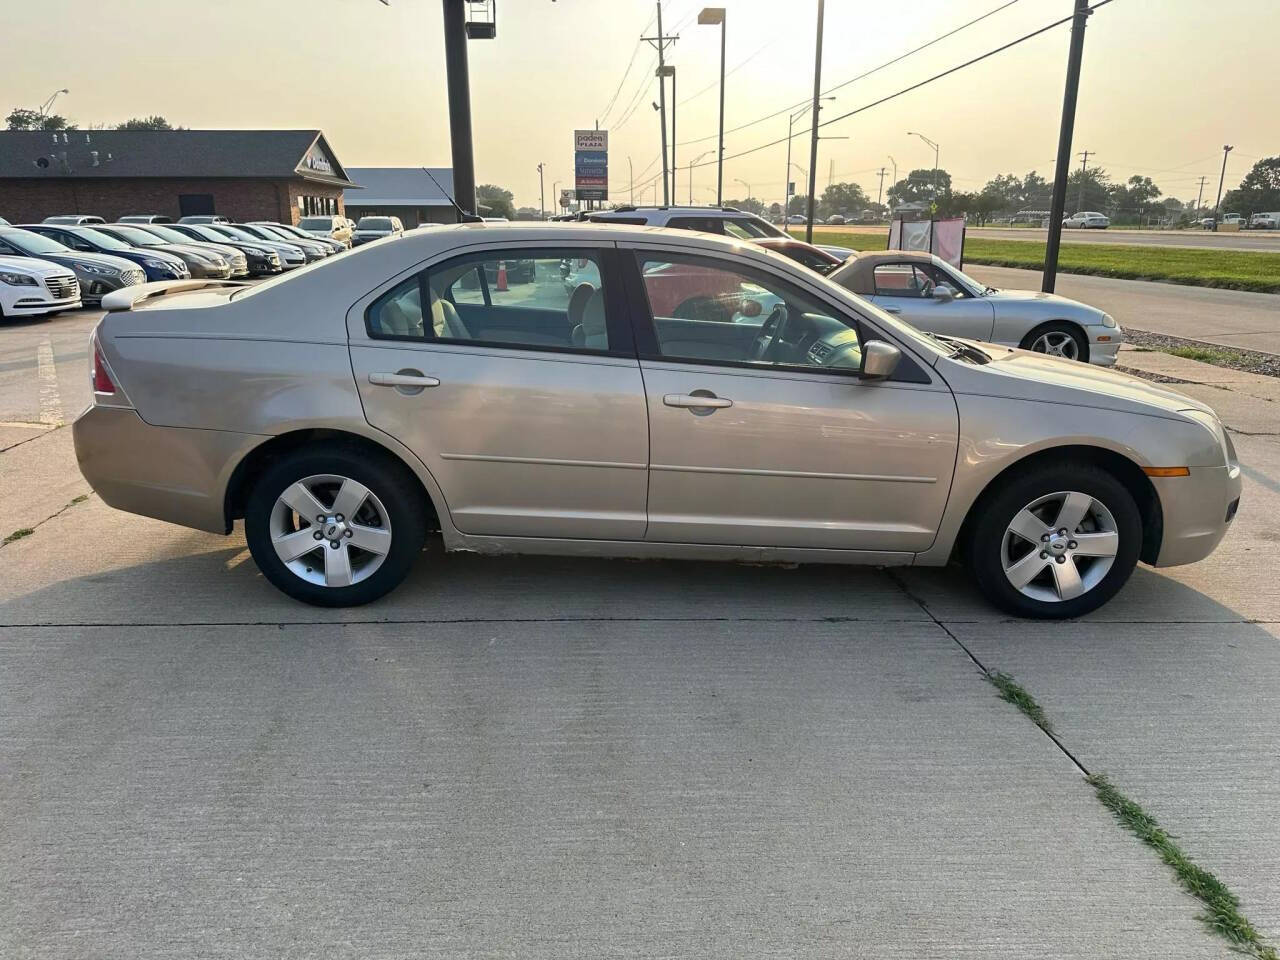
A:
(31, 287)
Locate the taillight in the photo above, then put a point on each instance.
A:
(102, 382)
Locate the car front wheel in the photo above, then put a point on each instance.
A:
(335, 528)
(1058, 339)
(1055, 542)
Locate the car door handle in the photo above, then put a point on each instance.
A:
(402, 380)
(695, 402)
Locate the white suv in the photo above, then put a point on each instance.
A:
(726, 221)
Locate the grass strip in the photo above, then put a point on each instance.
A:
(1012, 692)
(17, 535)
(1222, 907)
(1258, 272)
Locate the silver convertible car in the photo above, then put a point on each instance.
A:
(351, 408)
(929, 293)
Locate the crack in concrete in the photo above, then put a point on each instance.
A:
(36, 526)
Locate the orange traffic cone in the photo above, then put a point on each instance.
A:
(502, 275)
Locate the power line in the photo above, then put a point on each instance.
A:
(716, 83)
(604, 114)
(862, 76)
(639, 96)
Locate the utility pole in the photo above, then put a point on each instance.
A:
(880, 192)
(813, 134)
(1080, 16)
(1200, 193)
(660, 44)
(542, 196)
(1221, 180)
(1084, 170)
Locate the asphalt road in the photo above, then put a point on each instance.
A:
(524, 757)
(1256, 240)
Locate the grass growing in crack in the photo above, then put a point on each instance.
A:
(1012, 692)
(1221, 358)
(1222, 914)
(17, 535)
(80, 499)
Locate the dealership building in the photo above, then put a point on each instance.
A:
(241, 174)
(414, 194)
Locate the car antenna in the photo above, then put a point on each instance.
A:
(463, 216)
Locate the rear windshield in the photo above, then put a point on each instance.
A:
(316, 223)
(374, 223)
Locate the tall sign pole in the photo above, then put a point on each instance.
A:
(813, 134)
(455, 62)
(1059, 205)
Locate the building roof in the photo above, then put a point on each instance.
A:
(399, 187)
(240, 154)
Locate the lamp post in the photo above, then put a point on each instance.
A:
(692, 164)
(813, 125)
(912, 133)
(745, 184)
(555, 192)
(631, 180)
(44, 107)
(542, 195)
(1221, 179)
(711, 16)
(786, 180)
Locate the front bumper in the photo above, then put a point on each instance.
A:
(93, 288)
(200, 271)
(1198, 510)
(34, 306)
(1104, 344)
(170, 473)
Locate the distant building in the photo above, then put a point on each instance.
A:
(404, 192)
(241, 174)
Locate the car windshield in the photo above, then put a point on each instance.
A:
(235, 232)
(104, 240)
(374, 223)
(204, 233)
(139, 238)
(34, 243)
(167, 233)
(973, 284)
(271, 230)
(316, 223)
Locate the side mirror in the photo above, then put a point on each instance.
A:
(944, 293)
(750, 308)
(879, 359)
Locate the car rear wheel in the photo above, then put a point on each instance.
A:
(335, 528)
(1055, 542)
(1058, 339)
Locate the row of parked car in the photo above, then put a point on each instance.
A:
(67, 261)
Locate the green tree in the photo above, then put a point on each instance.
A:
(751, 205)
(494, 201)
(846, 198)
(23, 119)
(919, 186)
(146, 123)
(775, 209)
(1135, 199)
(1259, 191)
(799, 203)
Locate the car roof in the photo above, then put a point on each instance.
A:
(858, 272)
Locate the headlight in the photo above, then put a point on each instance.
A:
(98, 271)
(18, 280)
(1108, 320)
(159, 265)
(1211, 423)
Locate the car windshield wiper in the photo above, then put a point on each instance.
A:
(960, 348)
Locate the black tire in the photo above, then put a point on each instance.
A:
(984, 548)
(1059, 327)
(388, 480)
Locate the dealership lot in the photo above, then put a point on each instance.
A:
(523, 756)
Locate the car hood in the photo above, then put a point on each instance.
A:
(157, 253)
(77, 258)
(1024, 375)
(1044, 303)
(199, 249)
(34, 266)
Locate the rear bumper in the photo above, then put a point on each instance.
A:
(170, 473)
(1198, 510)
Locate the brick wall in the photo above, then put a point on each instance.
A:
(29, 201)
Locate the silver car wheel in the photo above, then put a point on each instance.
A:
(1059, 546)
(330, 530)
(1057, 344)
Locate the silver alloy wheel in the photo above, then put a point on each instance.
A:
(330, 530)
(1056, 343)
(1059, 546)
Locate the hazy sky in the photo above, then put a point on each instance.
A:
(1165, 83)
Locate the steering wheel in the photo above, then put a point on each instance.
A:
(764, 344)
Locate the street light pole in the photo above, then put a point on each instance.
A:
(813, 134)
(675, 198)
(459, 86)
(693, 163)
(745, 184)
(542, 195)
(555, 193)
(1058, 205)
(631, 180)
(712, 16)
(45, 107)
(1221, 179)
(912, 133)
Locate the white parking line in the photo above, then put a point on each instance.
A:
(47, 375)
